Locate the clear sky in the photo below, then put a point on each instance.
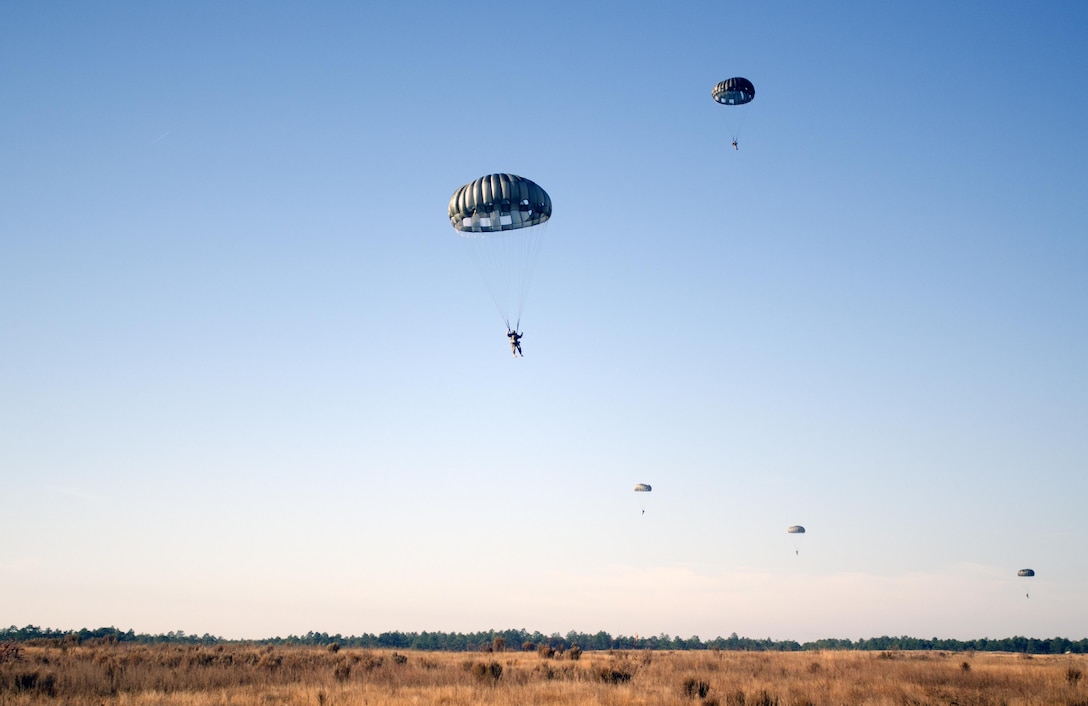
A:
(251, 385)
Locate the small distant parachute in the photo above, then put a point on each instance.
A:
(797, 532)
(502, 218)
(1027, 573)
(642, 489)
(733, 92)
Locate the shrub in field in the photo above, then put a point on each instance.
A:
(499, 644)
(565, 672)
(735, 699)
(271, 662)
(965, 666)
(1072, 675)
(342, 671)
(333, 647)
(489, 672)
(575, 652)
(528, 646)
(695, 688)
(399, 658)
(546, 651)
(613, 675)
(9, 652)
(201, 659)
(370, 661)
(36, 682)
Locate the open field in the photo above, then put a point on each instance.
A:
(240, 674)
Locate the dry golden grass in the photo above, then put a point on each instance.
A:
(241, 675)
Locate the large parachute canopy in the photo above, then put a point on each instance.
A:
(499, 202)
(796, 529)
(642, 488)
(502, 218)
(734, 91)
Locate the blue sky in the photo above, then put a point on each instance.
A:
(251, 385)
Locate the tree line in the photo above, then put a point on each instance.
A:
(502, 640)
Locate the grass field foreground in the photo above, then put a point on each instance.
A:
(243, 674)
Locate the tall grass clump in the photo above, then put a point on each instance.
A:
(695, 688)
(612, 675)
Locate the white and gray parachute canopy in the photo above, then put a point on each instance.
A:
(642, 488)
(502, 219)
(499, 202)
(796, 529)
(1026, 572)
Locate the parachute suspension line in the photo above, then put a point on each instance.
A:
(533, 242)
(502, 246)
(488, 265)
(738, 122)
(506, 261)
(741, 119)
(736, 130)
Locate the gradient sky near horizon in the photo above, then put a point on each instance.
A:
(251, 386)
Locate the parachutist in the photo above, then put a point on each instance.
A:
(734, 92)
(515, 343)
(1026, 573)
(798, 532)
(501, 218)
